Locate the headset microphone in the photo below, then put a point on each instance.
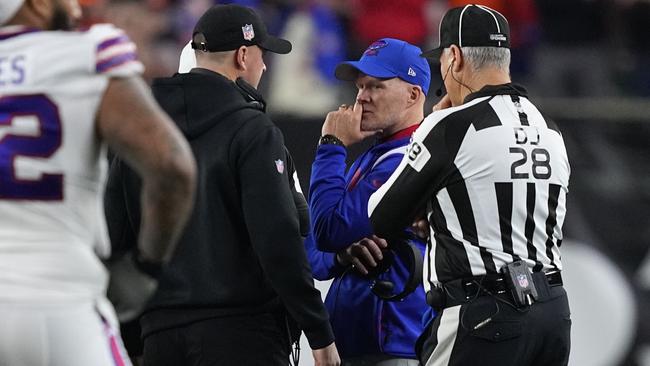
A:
(439, 90)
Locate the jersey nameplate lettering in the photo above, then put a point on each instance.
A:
(12, 70)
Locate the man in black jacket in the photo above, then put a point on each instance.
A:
(222, 300)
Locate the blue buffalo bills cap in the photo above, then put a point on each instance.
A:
(389, 58)
(471, 26)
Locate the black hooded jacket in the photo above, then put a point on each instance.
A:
(242, 250)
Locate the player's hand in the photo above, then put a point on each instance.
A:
(328, 356)
(363, 255)
(443, 103)
(420, 228)
(345, 124)
(129, 289)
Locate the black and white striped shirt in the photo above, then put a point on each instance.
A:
(492, 175)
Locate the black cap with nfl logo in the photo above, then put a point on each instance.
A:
(227, 27)
(471, 26)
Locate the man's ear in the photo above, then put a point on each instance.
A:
(414, 94)
(457, 58)
(41, 8)
(241, 56)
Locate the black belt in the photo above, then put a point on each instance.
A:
(463, 290)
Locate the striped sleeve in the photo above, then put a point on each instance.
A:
(421, 172)
(115, 53)
(396, 202)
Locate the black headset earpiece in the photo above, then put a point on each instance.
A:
(411, 256)
(383, 289)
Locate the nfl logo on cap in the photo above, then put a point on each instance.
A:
(248, 31)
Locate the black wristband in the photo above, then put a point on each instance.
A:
(330, 139)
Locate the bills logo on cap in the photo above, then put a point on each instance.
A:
(523, 281)
(248, 31)
(279, 165)
(374, 48)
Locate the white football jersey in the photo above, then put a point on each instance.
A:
(52, 163)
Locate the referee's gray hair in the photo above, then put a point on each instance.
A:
(480, 57)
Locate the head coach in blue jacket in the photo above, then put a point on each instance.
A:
(392, 81)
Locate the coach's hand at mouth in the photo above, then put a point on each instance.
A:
(345, 124)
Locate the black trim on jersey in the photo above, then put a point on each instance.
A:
(406, 193)
(530, 225)
(504, 195)
(429, 250)
(551, 124)
(551, 221)
(493, 90)
(430, 247)
(486, 117)
(447, 248)
(463, 206)
(523, 117)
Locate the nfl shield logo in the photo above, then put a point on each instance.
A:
(279, 165)
(248, 31)
(523, 281)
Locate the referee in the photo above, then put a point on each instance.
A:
(492, 175)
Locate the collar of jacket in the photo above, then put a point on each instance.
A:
(249, 92)
(407, 132)
(208, 72)
(492, 90)
(198, 100)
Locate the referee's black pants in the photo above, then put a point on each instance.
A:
(486, 331)
(243, 340)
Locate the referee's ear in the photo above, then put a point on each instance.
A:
(457, 62)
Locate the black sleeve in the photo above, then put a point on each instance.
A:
(273, 226)
(122, 206)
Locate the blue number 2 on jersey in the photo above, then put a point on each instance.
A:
(49, 187)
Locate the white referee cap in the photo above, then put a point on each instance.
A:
(8, 9)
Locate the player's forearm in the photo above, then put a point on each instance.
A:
(167, 200)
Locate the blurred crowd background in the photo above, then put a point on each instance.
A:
(586, 64)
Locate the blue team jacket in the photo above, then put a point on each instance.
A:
(338, 201)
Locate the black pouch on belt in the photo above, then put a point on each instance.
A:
(520, 282)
